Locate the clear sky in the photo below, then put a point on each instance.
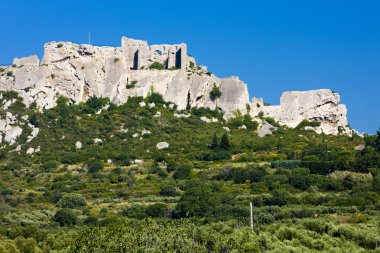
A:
(272, 45)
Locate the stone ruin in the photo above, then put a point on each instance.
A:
(80, 71)
(141, 56)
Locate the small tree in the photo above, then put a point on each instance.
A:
(182, 172)
(168, 190)
(65, 217)
(215, 142)
(157, 210)
(71, 200)
(94, 165)
(225, 142)
(215, 93)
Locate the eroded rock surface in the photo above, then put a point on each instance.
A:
(80, 71)
(315, 105)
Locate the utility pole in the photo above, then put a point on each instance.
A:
(251, 216)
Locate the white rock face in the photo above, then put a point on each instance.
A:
(162, 145)
(31, 60)
(81, 71)
(205, 119)
(265, 129)
(30, 151)
(12, 134)
(315, 105)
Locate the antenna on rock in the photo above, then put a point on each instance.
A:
(89, 38)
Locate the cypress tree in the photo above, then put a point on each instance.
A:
(225, 142)
(215, 142)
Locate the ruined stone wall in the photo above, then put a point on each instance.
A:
(141, 55)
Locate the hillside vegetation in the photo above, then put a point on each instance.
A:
(99, 183)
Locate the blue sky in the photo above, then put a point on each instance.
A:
(273, 46)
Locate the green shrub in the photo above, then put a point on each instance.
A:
(2, 70)
(182, 172)
(94, 165)
(13, 166)
(59, 45)
(156, 98)
(65, 217)
(131, 85)
(304, 123)
(11, 94)
(50, 165)
(168, 190)
(286, 164)
(157, 210)
(215, 93)
(136, 212)
(71, 200)
(225, 142)
(156, 65)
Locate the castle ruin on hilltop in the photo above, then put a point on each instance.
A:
(140, 54)
(134, 69)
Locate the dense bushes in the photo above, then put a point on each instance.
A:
(65, 217)
(286, 164)
(241, 175)
(71, 200)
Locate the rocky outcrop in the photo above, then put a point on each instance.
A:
(82, 71)
(314, 106)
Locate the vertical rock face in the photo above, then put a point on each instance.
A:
(315, 106)
(80, 71)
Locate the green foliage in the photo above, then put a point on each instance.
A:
(215, 141)
(71, 200)
(10, 95)
(136, 212)
(286, 164)
(157, 66)
(94, 165)
(198, 201)
(65, 217)
(59, 45)
(215, 93)
(225, 142)
(131, 85)
(311, 193)
(155, 98)
(2, 69)
(304, 123)
(157, 210)
(182, 171)
(168, 190)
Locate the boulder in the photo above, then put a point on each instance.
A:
(78, 145)
(162, 145)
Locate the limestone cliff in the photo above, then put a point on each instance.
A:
(80, 71)
(315, 106)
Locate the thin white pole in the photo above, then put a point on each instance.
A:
(89, 38)
(251, 220)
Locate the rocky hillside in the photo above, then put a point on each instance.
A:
(79, 72)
